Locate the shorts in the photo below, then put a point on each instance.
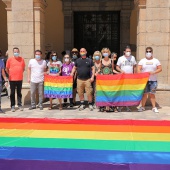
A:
(84, 85)
(151, 87)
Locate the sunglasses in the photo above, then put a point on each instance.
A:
(148, 51)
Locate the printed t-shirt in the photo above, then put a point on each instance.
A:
(148, 66)
(16, 66)
(37, 70)
(126, 63)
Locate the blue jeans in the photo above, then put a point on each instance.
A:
(151, 87)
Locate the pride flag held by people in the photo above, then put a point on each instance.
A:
(120, 89)
(84, 144)
(58, 86)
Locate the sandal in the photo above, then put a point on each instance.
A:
(50, 108)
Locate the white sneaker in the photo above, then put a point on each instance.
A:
(155, 110)
(141, 109)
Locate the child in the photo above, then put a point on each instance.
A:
(66, 71)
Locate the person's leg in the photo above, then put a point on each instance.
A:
(33, 94)
(12, 95)
(65, 102)
(80, 90)
(60, 104)
(89, 92)
(40, 93)
(153, 100)
(51, 104)
(19, 94)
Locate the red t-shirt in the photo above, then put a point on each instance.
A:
(16, 66)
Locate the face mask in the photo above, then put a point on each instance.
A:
(105, 54)
(128, 54)
(83, 54)
(148, 55)
(38, 57)
(97, 58)
(16, 54)
(54, 57)
(74, 56)
(67, 60)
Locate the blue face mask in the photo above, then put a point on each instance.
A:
(38, 57)
(97, 58)
(74, 56)
(54, 58)
(105, 54)
(16, 54)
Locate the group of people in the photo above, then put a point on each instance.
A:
(83, 70)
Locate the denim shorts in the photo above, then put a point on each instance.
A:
(151, 87)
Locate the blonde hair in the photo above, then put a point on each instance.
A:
(103, 49)
(97, 53)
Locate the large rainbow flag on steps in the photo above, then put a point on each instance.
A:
(120, 89)
(84, 144)
(58, 86)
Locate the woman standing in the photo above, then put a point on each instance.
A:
(54, 69)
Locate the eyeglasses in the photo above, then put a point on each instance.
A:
(148, 51)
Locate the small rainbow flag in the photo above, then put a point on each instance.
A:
(58, 86)
(120, 89)
(84, 144)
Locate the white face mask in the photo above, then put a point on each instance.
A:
(66, 60)
(148, 55)
(128, 54)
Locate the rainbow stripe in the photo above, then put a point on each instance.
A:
(120, 89)
(36, 144)
(58, 86)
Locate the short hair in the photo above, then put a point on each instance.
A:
(149, 48)
(15, 48)
(127, 47)
(38, 51)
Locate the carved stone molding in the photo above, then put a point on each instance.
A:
(8, 4)
(140, 3)
(40, 4)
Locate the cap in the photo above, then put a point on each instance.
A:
(74, 50)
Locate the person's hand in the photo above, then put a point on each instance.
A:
(92, 79)
(152, 72)
(71, 74)
(58, 74)
(96, 74)
(122, 72)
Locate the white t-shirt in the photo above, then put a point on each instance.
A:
(126, 64)
(54, 67)
(148, 66)
(37, 70)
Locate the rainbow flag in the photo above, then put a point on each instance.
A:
(120, 89)
(58, 86)
(84, 144)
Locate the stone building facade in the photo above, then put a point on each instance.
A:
(50, 24)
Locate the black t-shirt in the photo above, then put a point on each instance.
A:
(84, 66)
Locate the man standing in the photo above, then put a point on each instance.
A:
(15, 67)
(126, 64)
(153, 66)
(36, 69)
(85, 76)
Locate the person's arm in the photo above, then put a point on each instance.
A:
(158, 70)
(118, 69)
(4, 75)
(134, 69)
(139, 68)
(93, 73)
(29, 74)
(73, 71)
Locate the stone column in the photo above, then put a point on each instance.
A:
(124, 29)
(25, 20)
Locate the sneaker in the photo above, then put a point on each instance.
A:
(128, 109)
(90, 107)
(41, 107)
(82, 107)
(12, 109)
(32, 107)
(71, 105)
(119, 109)
(64, 105)
(141, 109)
(155, 110)
(20, 108)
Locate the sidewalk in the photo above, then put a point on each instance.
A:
(74, 113)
